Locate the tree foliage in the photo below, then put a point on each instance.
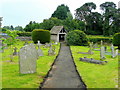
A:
(61, 12)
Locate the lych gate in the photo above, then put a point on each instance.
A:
(58, 33)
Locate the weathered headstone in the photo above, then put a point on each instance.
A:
(90, 50)
(51, 50)
(95, 45)
(114, 53)
(47, 45)
(102, 53)
(91, 60)
(27, 59)
(15, 51)
(40, 52)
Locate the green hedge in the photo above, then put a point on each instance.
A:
(116, 39)
(104, 39)
(77, 37)
(42, 35)
(28, 34)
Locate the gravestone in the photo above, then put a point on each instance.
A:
(95, 45)
(114, 53)
(47, 45)
(89, 51)
(27, 59)
(91, 60)
(91, 47)
(51, 50)
(102, 53)
(15, 51)
(40, 52)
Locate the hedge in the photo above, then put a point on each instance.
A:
(77, 37)
(28, 34)
(116, 40)
(41, 35)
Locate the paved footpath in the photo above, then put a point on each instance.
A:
(63, 73)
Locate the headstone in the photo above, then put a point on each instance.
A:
(51, 50)
(101, 43)
(47, 45)
(40, 52)
(91, 60)
(27, 59)
(15, 51)
(90, 50)
(114, 53)
(95, 45)
(102, 53)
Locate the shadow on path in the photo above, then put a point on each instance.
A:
(63, 73)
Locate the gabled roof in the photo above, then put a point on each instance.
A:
(56, 29)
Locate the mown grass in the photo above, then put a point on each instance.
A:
(94, 75)
(11, 78)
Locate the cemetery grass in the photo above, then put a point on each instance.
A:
(11, 78)
(95, 75)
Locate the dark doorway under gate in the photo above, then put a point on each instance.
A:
(61, 37)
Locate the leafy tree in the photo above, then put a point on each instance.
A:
(84, 11)
(108, 8)
(18, 28)
(10, 41)
(94, 23)
(61, 12)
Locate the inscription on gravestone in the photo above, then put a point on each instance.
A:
(102, 52)
(27, 59)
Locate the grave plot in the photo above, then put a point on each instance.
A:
(95, 75)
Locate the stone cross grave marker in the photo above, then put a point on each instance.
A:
(27, 59)
(40, 52)
(102, 53)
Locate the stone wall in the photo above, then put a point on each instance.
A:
(54, 38)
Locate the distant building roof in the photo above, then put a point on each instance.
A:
(56, 29)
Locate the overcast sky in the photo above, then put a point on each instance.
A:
(21, 12)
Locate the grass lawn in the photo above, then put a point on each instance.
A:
(94, 75)
(11, 78)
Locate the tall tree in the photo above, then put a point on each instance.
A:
(108, 8)
(61, 12)
(84, 11)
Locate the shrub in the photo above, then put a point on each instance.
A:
(42, 35)
(116, 40)
(28, 34)
(77, 37)
(95, 40)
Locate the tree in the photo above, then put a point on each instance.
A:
(108, 8)
(10, 41)
(61, 12)
(94, 24)
(84, 11)
(18, 28)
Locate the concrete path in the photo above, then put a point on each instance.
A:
(63, 73)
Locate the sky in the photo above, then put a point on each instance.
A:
(21, 12)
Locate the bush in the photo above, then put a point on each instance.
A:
(42, 35)
(77, 37)
(95, 40)
(116, 40)
(28, 34)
